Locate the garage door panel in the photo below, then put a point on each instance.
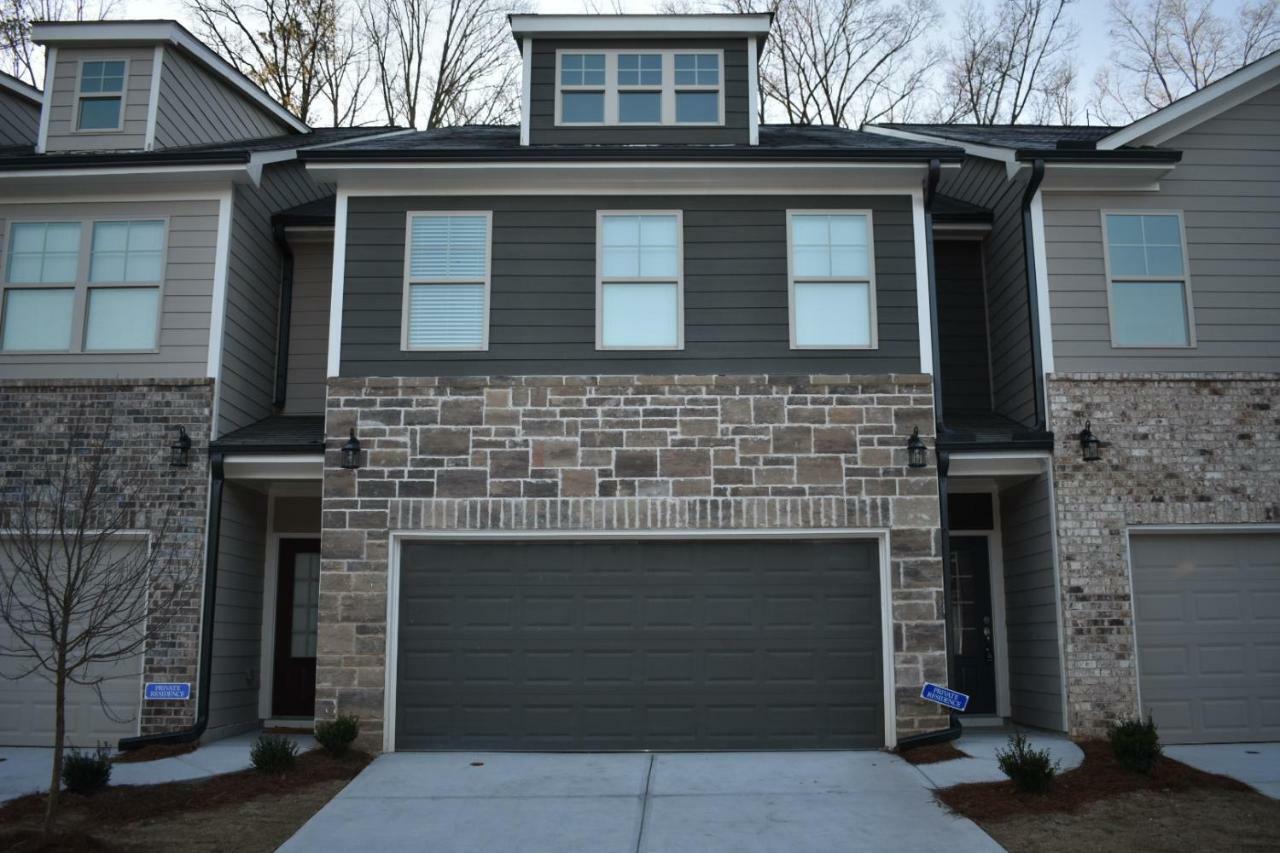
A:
(640, 644)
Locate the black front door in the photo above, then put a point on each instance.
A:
(973, 648)
(297, 597)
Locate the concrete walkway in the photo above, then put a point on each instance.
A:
(562, 803)
(25, 770)
(982, 765)
(1255, 764)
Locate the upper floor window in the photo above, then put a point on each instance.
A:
(69, 288)
(640, 87)
(100, 95)
(447, 272)
(639, 280)
(1149, 291)
(831, 281)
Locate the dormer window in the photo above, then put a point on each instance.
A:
(639, 87)
(100, 95)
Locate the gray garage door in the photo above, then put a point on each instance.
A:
(639, 645)
(1208, 624)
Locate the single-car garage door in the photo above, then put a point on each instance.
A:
(643, 644)
(1208, 626)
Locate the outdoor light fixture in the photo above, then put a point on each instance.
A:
(916, 450)
(180, 450)
(351, 452)
(1089, 444)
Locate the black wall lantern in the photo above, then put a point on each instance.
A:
(916, 451)
(351, 452)
(180, 450)
(1090, 446)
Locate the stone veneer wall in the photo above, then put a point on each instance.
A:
(144, 416)
(1177, 449)
(627, 453)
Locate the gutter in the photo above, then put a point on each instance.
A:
(205, 662)
(284, 314)
(632, 154)
(1113, 156)
(1033, 294)
(80, 161)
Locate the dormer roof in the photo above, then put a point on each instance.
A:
(755, 25)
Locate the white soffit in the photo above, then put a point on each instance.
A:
(996, 464)
(282, 466)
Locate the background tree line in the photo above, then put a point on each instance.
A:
(433, 63)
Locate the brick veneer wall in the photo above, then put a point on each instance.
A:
(35, 416)
(1178, 449)
(629, 453)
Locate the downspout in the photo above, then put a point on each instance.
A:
(205, 666)
(284, 317)
(1033, 293)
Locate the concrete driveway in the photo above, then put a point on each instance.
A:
(561, 803)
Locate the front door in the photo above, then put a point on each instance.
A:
(973, 648)
(297, 597)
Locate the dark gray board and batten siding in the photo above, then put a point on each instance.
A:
(542, 94)
(542, 317)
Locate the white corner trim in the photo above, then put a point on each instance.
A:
(337, 279)
(1043, 307)
(153, 98)
(46, 98)
(218, 309)
(526, 88)
(924, 320)
(753, 93)
(987, 152)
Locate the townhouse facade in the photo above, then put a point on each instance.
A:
(646, 425)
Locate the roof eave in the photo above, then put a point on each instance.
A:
(530, 155)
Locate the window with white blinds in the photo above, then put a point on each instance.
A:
(447, 268)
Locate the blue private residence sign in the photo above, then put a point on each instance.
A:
(947, 698)
(168, 690)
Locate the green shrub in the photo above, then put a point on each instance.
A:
(1136, 743)
(273, 754)
(86, 772)
(1031, 770)
(337, 735)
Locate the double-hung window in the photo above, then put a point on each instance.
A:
(1147, 281)
(582, 88)
(639, 88)
(640, 280)
(831, 274)
(100, 95)
(447, 273)
(83, 287)
(697, 88)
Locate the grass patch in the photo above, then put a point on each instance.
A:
(932, 753)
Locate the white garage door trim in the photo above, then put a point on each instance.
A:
(399, 537)
(1178, 530)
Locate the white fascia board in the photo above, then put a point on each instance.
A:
(273, 466)
(1017, 463)
(641, 25)
(987, 152)
(17, 87)
(105, 33)
(1200, 106)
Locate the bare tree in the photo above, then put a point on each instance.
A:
(73, 600)
(397, 33)
(18, 56)
(344, 70)
(1166, 49)
(1012, 62)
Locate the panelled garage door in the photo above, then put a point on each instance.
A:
(645, 644)
(1208, 626)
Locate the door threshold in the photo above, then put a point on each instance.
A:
(981, 721)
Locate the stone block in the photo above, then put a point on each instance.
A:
(681, 462)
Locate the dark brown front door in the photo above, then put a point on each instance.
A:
(973, 647)
(297, 593)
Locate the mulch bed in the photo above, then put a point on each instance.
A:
(121, 804)
(154, 752)
(933, 753)
(33, 841)
(1100, 777)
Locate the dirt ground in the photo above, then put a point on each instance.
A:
(1151, 822)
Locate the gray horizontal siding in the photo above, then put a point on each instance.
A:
(542, 94)
(309, 327)
(1228, 189)
(184, 310)
(1031, 610)
(19, 120)
(196, 108)
(237, 619)
(543, 288)
(62, 135)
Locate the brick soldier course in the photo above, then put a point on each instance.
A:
(622, 453)
(1177, 449)
(144, 416)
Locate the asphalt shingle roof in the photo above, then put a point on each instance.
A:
(276, 434)
(1044, 137)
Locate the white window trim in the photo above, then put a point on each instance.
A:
(1185, 278)
(869, 278)
(80, 95)
(82, 285)
(487, 280)
(611, 88)
(601, 280)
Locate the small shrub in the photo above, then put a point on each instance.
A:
(86, 772)
(273, 754)
(1136, 743)
(337, 735)
(1031, 770)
